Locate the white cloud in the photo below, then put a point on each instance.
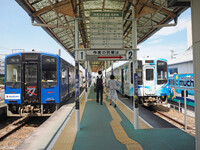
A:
(160, 51)
(155, 41)
(182, 24)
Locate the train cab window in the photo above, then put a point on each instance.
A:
(31, 74)
(149, 74)
(161, 72)
(13, 72)
(49, 71)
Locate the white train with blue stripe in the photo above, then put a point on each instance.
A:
(153, 80)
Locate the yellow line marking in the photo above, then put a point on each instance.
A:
(130, 115)
(119, 132)
(68, 135)
(91, 99)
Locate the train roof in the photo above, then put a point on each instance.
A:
(116, 65)
(34, 52)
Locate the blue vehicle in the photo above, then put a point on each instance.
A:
(153, 79)
(37, 83)
(178, 83)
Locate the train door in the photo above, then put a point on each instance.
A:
(149, 85)
(122, 78)
(31, 82)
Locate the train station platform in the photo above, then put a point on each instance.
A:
(104, 127)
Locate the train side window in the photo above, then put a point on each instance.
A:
(49, 71)
(64, 75)
(13, 72)
(149, 74)
(140, 82)
(161, 72)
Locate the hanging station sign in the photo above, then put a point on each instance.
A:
(106, 30)
(103, 55)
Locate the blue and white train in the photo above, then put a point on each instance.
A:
(153, 81)
(37, 83)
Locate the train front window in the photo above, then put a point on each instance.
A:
(31, 73)
(149, 74)
(161, 72)
(49, 71)
(13, 72)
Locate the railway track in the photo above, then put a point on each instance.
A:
(12, 133)
(175, 118)
(13, 127)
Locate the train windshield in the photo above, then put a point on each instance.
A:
(49, 71)
(13, 71)
(161, 72)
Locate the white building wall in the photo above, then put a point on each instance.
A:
(185, 67)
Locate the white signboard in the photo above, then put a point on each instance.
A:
(106, 30)
(12, 96)
(106, 54)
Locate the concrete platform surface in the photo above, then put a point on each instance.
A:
(43, 135)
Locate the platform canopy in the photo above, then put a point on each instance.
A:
(57, 18)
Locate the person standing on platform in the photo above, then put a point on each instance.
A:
(112, 86)
(99, 87)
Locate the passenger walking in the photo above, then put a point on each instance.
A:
(99, 87)
(112, 86)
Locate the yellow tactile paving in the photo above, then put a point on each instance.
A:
(129, 114)
(68, 135)
(119, 132)
(91, 99)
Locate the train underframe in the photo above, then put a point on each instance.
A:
(152, 100)
(31, 110)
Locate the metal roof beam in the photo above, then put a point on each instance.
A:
(59, 19)
(103, 5)
(163, 4)
(148, 5)
(83, 22)
(48, 8)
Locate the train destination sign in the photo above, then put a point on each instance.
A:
(106, 30)
(102, 55)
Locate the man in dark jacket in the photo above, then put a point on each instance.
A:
(99, 87)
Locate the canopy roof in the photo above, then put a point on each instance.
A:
(57, 17)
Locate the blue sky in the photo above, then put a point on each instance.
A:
(16, 32)
(166, 39)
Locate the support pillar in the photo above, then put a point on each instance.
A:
(86, 97)
(77, 92)
(112, 68)
(134, 46)
(196, 61)
(105, 73)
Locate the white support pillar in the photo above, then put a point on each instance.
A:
(196, 61)
(134, 46)
(86, 97)
(112, 68)
(77, 107)
(105, 70)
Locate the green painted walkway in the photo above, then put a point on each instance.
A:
(96, 132)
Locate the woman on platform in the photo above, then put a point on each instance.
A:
(112, 86)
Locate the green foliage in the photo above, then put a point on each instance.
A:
(1, 80)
